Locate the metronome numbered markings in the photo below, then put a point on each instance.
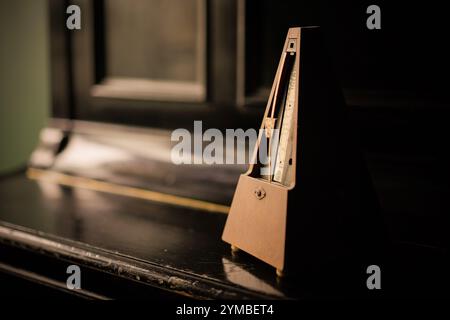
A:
(284, 153)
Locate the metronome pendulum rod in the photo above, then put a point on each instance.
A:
(272, 126)
(274, 101)
(270, 122)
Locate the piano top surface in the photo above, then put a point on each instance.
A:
(144, 234)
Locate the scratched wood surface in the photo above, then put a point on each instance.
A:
(170, 247)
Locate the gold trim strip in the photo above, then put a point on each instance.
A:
(96, 185)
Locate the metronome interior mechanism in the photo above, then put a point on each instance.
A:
(278, 136)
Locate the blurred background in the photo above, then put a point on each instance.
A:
(24, 79)
(165, 63)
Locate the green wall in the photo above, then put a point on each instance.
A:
(24, 79)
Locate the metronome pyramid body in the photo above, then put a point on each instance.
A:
(319, 203)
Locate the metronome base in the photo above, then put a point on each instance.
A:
(234, 249)
(279, 272)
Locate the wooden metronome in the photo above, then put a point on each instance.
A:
(315, 200)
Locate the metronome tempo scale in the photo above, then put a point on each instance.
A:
(284, 101)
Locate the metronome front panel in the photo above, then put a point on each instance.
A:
(259, 209)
